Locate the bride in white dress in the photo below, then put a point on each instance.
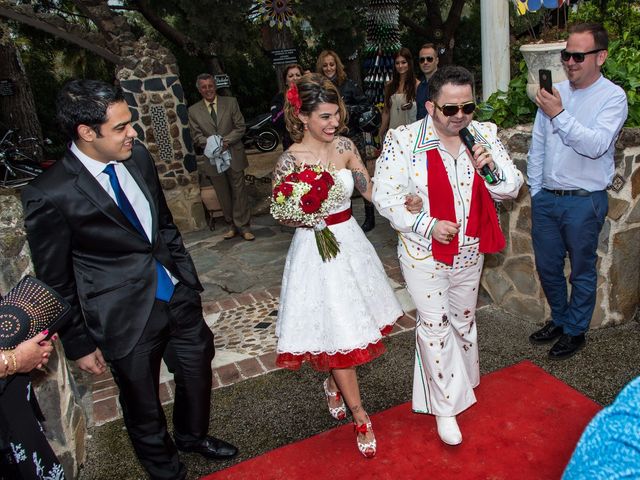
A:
(332, 314)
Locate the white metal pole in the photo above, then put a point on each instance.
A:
(494, 17)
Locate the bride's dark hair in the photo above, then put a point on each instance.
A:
(313, 89)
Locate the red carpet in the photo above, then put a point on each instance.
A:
(524, 426)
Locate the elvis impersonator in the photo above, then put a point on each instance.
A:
(441, 248)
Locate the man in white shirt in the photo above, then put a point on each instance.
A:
(441, 249)
(102, 236)
(569, 167)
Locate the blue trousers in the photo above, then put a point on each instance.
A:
(561, 225)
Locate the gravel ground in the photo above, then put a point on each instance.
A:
(266, 412)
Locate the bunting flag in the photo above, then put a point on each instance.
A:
(524, 6)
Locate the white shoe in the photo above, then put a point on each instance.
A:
(448, 430)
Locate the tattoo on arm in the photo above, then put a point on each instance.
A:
(357, 167)
(360, 180)
(344, 145)
(284, 165)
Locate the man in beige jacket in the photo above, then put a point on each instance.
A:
(216, 115)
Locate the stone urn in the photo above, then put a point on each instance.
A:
(542, 56)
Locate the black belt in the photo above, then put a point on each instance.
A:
(569, 193)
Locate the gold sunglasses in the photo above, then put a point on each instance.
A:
(451, 109)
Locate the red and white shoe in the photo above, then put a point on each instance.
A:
(339, 412)
(368, 449)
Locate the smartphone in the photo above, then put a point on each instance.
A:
(545, 80)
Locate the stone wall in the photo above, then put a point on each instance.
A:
(149, 78)
(55, 387)
(510, 277)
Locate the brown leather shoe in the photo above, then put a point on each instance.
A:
(230, 234)
(248, 236)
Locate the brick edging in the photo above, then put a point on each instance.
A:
(105, 392)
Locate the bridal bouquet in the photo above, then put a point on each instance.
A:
(307, 194)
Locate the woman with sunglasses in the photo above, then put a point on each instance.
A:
(441, 249)
(400, 94)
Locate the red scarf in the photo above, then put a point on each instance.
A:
(483, 219)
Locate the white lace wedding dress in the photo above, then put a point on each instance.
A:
(333, 314)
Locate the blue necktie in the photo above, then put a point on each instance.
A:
(165, 287)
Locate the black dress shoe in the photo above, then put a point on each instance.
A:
(546, 334)
(567, 346)
(211, 447)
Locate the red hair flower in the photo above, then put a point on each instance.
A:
(294, 98)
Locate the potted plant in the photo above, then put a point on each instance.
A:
(545, 30)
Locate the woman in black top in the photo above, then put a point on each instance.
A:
(291, 73)
(24, 450)
(330, 65)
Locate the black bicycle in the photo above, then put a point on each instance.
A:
(18, 164)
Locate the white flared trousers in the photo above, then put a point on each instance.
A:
(446, 363)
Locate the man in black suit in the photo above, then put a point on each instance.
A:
(101, 234)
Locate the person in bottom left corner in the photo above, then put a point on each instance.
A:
(101, 234)
(25, 453)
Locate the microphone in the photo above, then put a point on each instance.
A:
(469, 142)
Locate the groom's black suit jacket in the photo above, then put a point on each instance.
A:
(84, 247)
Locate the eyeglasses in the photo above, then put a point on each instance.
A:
(578, 57)
(426, 59)
(451, 109)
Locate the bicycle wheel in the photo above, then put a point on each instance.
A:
(11, 177)
(267, 140)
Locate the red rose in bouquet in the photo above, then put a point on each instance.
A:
(310, 203)
(306, 195)
(286, 189)
(307, 176)
(292, 177)
(320, 189)
(328, 179)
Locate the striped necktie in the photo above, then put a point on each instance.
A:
(214, 116)
(165, 287)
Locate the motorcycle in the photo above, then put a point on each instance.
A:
(18, 165)
(365, 124)
(261, 134)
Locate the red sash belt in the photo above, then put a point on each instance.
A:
(339, 217)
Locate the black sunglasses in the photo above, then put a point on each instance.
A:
(578, 57)
(427, 59)
(451, 109)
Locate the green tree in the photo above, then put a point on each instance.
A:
(435, 21)
(622, 20)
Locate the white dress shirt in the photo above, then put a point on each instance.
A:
(129, 186)
(575, 150)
